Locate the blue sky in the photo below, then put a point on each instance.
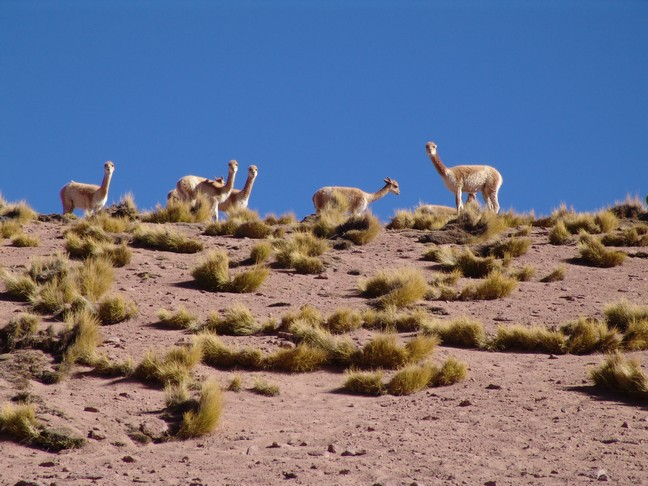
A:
(553, 93)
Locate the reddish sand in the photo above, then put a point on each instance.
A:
(517, 419)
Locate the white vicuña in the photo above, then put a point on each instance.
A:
(355, 200)
(468, 178)
(216, 192)
(89, 197)
(238, 199)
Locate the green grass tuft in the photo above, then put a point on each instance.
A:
(395, 288)
(529, 339)
(180, 319)
(594, 253)
(364, 382)
(622, 376)
(203, 421)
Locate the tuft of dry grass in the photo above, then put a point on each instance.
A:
(284, 219)
(19, 422)
(588, 336)
(411, 379)
(635, 236)
(172, 367)
(636, 335)
(165, 239)
(303, 358)
(203, 421)
(423, 218)
(266, 389)
(19, 332)
(81, 338)
(56, 296)
(20, 212)
(524, 274)
(621, 375)
(306, 313)
(45, 270)
(391, 320)
(20, 287)
(530, 339)
(511, 247)
(261, 252)
(95, 277)
(235, 384)
(343, 320)
(360, 230)
(180, 319)
(622, 313)
(236, 321)
(384, 352)
(115, 309)
(215, 353)
(212, 273)
(594, 253)
(340, 351)
(452, 371)
(495, 286)
(22, 240)
(396, 288)
(9, 228)
(103, 366)
(555, 275)
(300, 252)
(181, 212)
(364, 382)
(462, 332)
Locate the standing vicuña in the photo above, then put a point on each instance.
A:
(238, 199)
(352, 199)
(186, 187)
(468, 178)
(216, 192)
(89, 197)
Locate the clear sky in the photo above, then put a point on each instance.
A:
(552, 93)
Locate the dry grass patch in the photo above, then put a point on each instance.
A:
(594, 253)
(20, 212)
(20, 332)
(511, 247)
(343, 320)
(559, 234)
(23, 240)
(396, 288)
(495, 286)
(422, 218)
(384, 352)
(283, 219)
(218, 355)
(20, 287)
(301, 252)
(340, 351)
(265, 388)
(80, 340)
(212, 273)
(635, 236)
(529, 339)
(307, 313)
(205, 417)
(391, 320)
(622, 313)
(181, 212)
(556, 275)
(9, 228)
(360, 230)
(236, 321)
(303, 358)
(452, 371)
(462, 332)
(261, 253)
(524, 274)
(587, 336)
(411, 379)
(95, 277)
(180, 319)
(621, 375)
(636, 335)
(57, 296)
(165, 239)
(172, 367)
(20, 423)
(364, 382)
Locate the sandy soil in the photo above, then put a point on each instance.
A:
(517, 419)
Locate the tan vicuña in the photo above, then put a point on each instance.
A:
(468, 178)
(356, 199)
(89, 197)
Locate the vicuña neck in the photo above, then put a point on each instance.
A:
(105, 183)
(248, 184)
(381, 193)
(438, 165)
(230, 180)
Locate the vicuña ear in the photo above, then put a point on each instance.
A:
(388, 180)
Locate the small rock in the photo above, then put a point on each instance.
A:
(625, 425)
(465, 403)
(493, 387)
(96, 435)
(490, 483)
(274, 445)
(156, 429)
(128, 459)
(553, 356)
(345, 471)
(332, 449)
(252, 450)
(602, 475)
(47, 464)
(289, 475)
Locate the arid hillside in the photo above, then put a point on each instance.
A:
(160, 348)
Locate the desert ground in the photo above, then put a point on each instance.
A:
(517, 418)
